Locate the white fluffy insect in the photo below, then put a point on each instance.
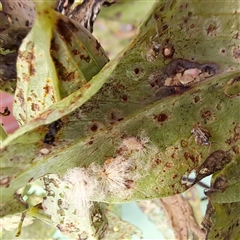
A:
(138, 147)
(117, 175)
(133, 144)
(113, 175)
(83, 186)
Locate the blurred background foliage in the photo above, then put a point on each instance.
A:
(116, 25)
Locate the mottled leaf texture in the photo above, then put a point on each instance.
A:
(167, 108)
(3, 134)
(56, 58)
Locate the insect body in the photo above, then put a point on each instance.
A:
(201, 135)
(5, 112)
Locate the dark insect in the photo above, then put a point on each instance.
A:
(5, 112)
(53, 129)
(85, 13)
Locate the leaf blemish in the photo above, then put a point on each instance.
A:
(184, 72)
(168, 50)
(161, 117)
(4, 181)
(64, 30)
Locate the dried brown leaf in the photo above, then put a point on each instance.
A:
(181, 217)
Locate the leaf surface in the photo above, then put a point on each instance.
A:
(166, 108)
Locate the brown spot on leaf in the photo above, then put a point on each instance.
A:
(63, 73)
(235, 137)
(4, 181)
(184, 143)
(98, 45)
(47, 89)
(196, 99)
(207, 114)
(165, 27)
(211, 27)
(72, 26)
(161, 117)
(188, 155)
(35, 107)
(168, 165)
(20, 97)
(30, 180)
(192, 26)
(94, 127)
(124, 98)
(85, 58)
(136, 70)
(175, 176)
(87, 85)
(158, 161)
(114, 116)
(64, 30)
(128, 183)
(75, 52)
(31, 69)
(54, 46)
(26, 77)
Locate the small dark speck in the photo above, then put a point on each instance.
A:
(136, 70)
(94, 128)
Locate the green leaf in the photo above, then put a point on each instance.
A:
(163, 112)
(56, 111)
(37, 85)
(3, 134)
(222, 220)
(225, 184)
(126, 102)
(72, 216)
(56, 58)
(222, 215)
